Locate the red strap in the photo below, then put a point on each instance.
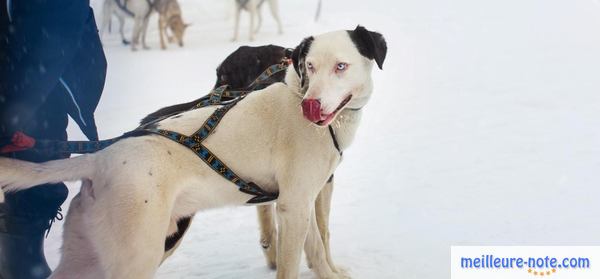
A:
(20, 142)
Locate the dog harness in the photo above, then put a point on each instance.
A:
(194, 143)
(220, 96)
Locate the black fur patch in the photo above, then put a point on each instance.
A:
(245, 64)
(168, 111)
(298, 57)
(370, 44)
(182, 225)
(238, 70)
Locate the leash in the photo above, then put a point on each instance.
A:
(123, 7)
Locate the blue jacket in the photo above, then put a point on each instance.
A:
(50, 56)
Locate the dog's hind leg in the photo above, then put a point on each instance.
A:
(268, 233)
(129, 235)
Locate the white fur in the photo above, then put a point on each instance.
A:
(134, 189)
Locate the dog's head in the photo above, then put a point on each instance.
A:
(178, 28)
(335, 71)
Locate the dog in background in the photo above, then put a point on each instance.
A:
(169, 17)
(253, 6)
(117, 8)
(141, 10)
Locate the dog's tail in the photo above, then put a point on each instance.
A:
(17, 175)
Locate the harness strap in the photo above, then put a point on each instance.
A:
(222, 94)
(194, 142)
(335, 141)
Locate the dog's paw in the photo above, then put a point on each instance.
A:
(342, 273)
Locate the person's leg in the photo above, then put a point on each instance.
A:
(27, 215)
(75, 88)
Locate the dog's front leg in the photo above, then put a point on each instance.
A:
(315, 252)
(293, 212)
(322, 210)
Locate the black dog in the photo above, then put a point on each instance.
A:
(242, 67)
(237, 71)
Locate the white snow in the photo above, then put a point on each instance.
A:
(483, 130)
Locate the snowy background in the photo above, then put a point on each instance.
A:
(483, 130)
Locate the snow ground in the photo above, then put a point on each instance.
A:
(482, 130)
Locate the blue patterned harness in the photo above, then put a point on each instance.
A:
(194, 143)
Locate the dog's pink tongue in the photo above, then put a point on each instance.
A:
(311, 109)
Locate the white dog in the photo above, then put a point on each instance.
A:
(253, 7)
(133, 190)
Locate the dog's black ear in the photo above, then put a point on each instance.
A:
(370, 44)
(298, 56)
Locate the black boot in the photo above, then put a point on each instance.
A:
(24, 223)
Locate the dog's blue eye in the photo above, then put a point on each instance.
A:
(309, 65)
(341, 66)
